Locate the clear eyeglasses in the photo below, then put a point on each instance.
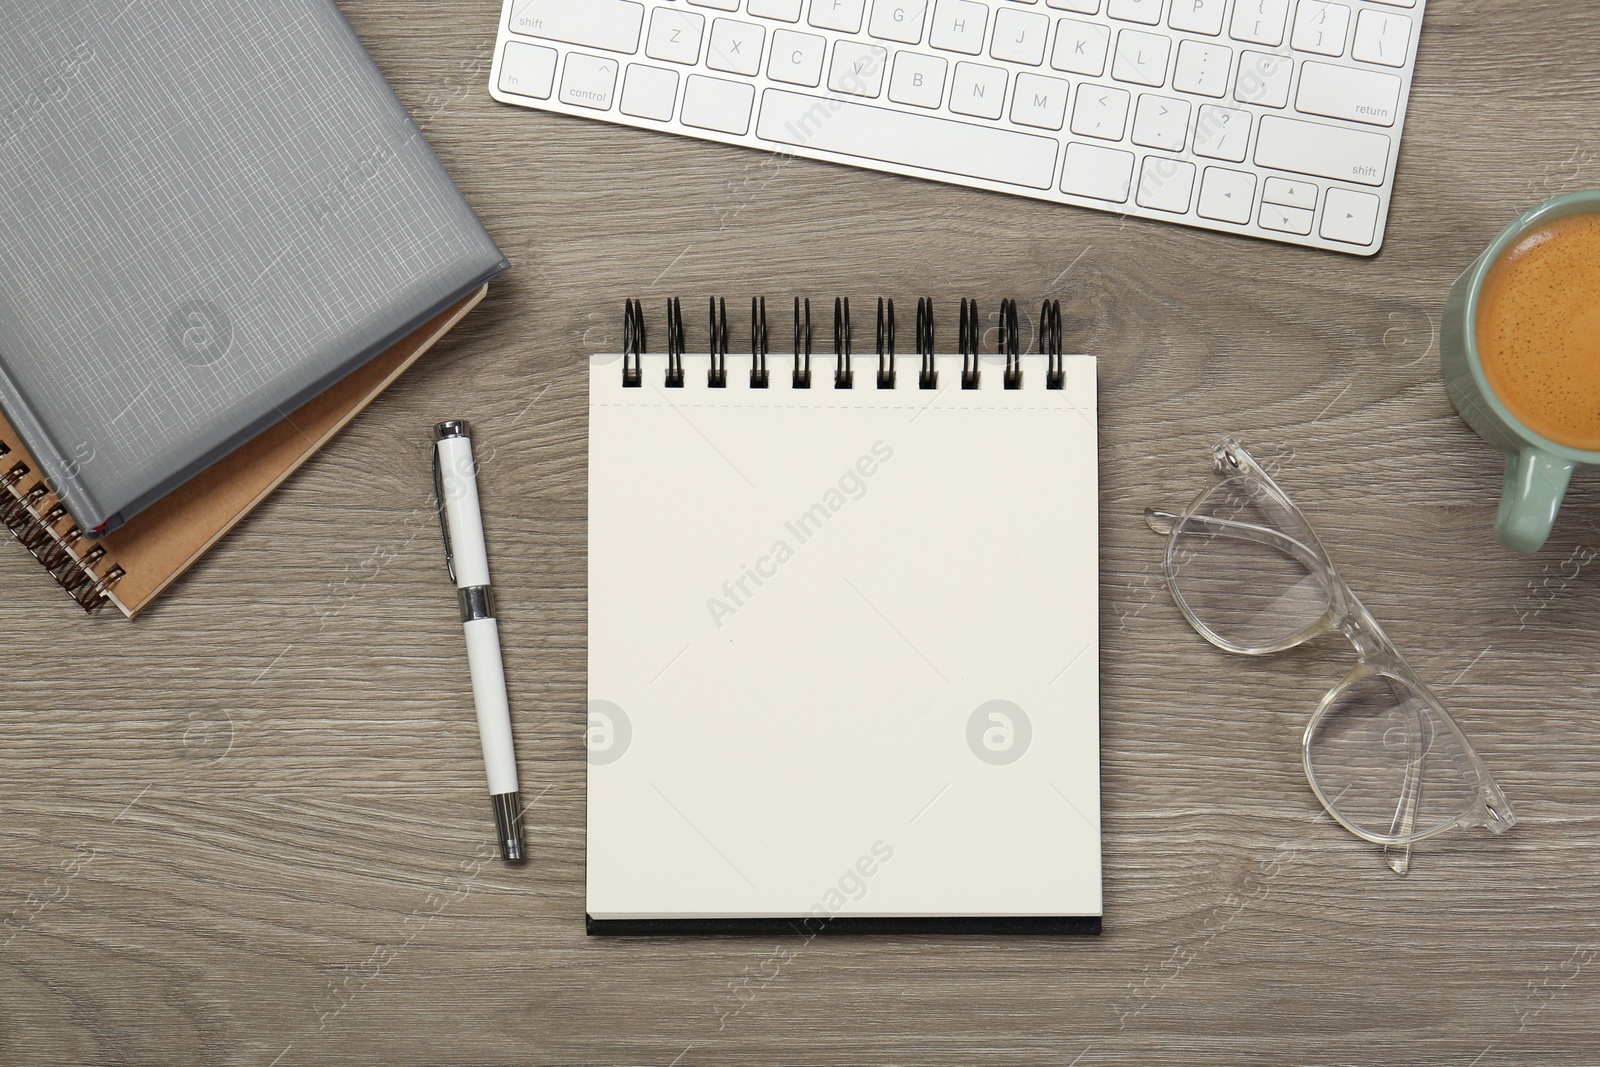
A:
(1381, 752)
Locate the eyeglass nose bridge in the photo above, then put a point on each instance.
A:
(1372, 645)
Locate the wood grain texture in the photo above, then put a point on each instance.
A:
(248, 829)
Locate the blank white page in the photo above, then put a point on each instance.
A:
(843, 645)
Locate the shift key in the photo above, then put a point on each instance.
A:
(1323, 150)
(610, 24)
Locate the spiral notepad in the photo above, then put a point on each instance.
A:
(843, 629)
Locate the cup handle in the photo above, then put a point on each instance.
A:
(1535, 484)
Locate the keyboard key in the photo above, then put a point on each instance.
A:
(978, 91)
(1084, 7)
(1285, 219)
(1226, 195)
(528, 70)
(720, 5)
(675, 36)
(1351, 93)
(736, 46)
(1081, 48)
(1382, 38)
(1322, 150)
(958, 26)
(1161, 122)
(1040, 102)
(1290, 193)
(613, 25)
(1202, 68)
(797, 58)
(786, 10)
(858, 69)
(1350, 216)
(908, 140)
(1259, 21)
(1222, 133)
(1100, 112)
(1198, 16)
(1019, 36)
(649, 92)
(898, 20)
(1100, 173)
(918, 80)
(1145, 11)
(1263, 79)
(1166, 184)
(1141, 58)
(715, 104)
(837, 14)
(1397, 3)
(589, 81)
(1321, 28)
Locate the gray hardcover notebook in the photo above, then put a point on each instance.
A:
(209, 213)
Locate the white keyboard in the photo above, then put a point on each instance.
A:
(1273, 118)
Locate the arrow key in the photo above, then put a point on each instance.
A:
(1290, 193)
(1286, 219)
(1350, 216)
(589, 81)
(1227, 195)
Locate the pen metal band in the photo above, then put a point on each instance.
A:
(477, 602)
(508, 824)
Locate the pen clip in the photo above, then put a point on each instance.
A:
(444, 522)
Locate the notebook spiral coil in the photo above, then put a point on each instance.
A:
(969, 344)
(56, 550)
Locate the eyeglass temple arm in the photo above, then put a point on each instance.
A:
(1398, 857)
(1164, 522)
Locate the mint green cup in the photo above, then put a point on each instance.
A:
(1537, 468)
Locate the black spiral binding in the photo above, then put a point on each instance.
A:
(802, 335)
(56, 552)
(718, 376)
(968, 343)
(929, 377)
(759, 376)
(1050, 344)
(633, 345)
(676, 345)
(1011, 344)
(843, 376)
(885, 344)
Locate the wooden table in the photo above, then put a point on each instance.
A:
(248, 829)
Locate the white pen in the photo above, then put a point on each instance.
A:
(455, 483)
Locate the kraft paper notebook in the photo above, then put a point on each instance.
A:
(843, 639)
(134, 564)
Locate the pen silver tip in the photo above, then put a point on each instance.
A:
(508, 824)
(450, 428)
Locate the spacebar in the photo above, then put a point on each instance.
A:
(876, 133)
